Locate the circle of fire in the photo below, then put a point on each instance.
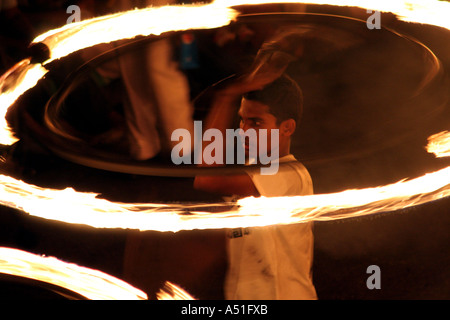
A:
(85, 208)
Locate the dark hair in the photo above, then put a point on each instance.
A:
(283, 97)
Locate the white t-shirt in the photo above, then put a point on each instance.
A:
(274, 262)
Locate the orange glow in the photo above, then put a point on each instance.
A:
(86, 208)
(439, 144)
(92, 284)
(173, 292)
(13, 84)
(129, 24)
(418, 11)
(155, 21)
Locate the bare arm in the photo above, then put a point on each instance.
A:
(223, 111)
(271, 61)
(221, 115)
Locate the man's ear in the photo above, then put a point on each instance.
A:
(287, 127)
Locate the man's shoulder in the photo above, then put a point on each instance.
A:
(291, 179)
(289, 165)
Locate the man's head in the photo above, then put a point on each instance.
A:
(283, 97)
(277, 106)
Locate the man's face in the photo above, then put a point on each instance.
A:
(255, 115)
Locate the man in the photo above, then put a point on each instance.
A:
(156, 91)
(272, 262)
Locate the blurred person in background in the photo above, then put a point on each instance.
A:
(158, 95)
(156, 98)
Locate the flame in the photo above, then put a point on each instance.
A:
(157, 20)
(439, 144)
(129, 24)
(418, 11)
(86, 208)
(89, 283)
(20, 78)
(173, 292)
